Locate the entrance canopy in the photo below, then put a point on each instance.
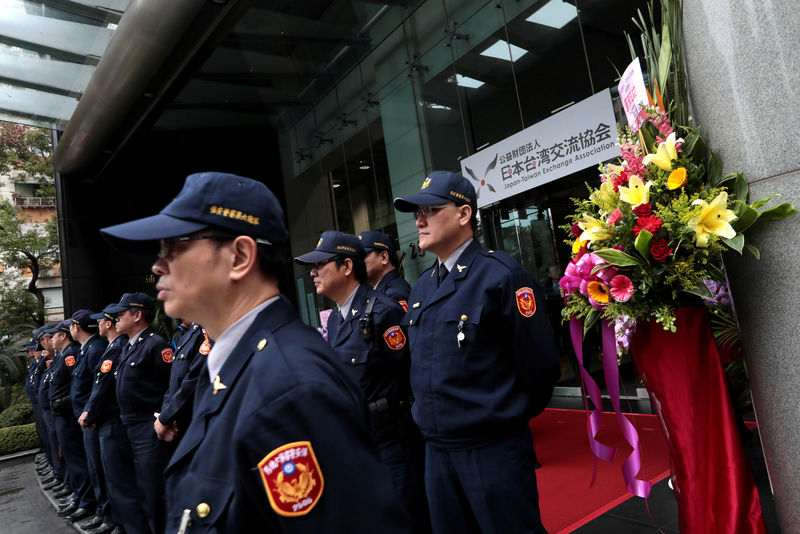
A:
(49, 51)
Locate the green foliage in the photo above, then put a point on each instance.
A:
(26, 152)
(15, 415)
(12, 394)
(18, 438)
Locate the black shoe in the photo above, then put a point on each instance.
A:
(80, 513)
(68, 510)
(58, 487)
(63, 492)
(106, 527)
(47, 479)
(94, 522)
(118, 530)
(51, 485)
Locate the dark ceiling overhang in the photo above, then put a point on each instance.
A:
(151, 48)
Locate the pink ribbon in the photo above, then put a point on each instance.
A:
(632, 464)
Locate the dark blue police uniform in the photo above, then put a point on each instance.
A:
(70, 437)
(275, 441)
(82, 380)
(43, 394)
(395, 287)
(379, 362)
(32, 385)
(473, 398)
(142, 377)
(190, 359)
(102, 410)
(483, 362)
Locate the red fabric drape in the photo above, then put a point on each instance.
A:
(682, 372)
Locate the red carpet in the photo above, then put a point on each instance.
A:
(562, 446)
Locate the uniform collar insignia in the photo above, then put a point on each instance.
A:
(354, 311)
(460, 267)
(218, 385)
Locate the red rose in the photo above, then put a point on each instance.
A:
(576, 230)
(643, 210)
(650, 223)
(659, 249)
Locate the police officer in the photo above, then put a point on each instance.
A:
(279, 440)
(191, 348)
(70, 437)
(101, 412)
(84, 331)
(483, 362)
(142, 378)
(58, 468)
(381, 262)
(364, 329)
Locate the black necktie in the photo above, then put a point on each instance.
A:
(442, 273)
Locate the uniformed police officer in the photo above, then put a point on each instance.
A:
(70, 437)
(58, 468)
(191, 348)
(364, 329)
(84, 331)
(101, 412)
(279, 440)
(381, 262)
(142, 378)
(483, 362)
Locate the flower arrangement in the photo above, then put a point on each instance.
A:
(650, 237)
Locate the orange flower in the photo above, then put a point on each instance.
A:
(677, 178)
(598, 291)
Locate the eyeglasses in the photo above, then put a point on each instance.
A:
(428, 211)
(168, 244)
(320, 264)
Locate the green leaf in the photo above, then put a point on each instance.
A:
(618, 258)
(754, 251)
(736, 243)
(649, 140)
(695, 147)
(740, 188)
(664, 57)
(700, 290)
(642, 243)
(601, 267)
(714, 170)
(779, 212)
(759, 203)
(746, 216)
(728, 177)
(590, 321)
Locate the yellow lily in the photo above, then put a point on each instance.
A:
(593, 229)
(714, 218)
(576, 246)
(677, 178)
(614, 169)
(665, 154)
(605, 197)
(636, 193)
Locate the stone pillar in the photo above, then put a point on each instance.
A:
(744, 73)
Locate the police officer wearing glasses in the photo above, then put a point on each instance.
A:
(483, 362)
(279, 440)
(364, 330)
(382, 264)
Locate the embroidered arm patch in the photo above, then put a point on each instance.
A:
(292, 478)
(526, 303)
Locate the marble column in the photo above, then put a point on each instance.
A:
(744, 74)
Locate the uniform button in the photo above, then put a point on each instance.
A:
(132, 364)
(261, 344)
(203, 510)
(410, 322)
(353, 361)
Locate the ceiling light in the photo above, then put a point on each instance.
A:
(466, 81)
(499, 50)
(363, 165)
(555, 13)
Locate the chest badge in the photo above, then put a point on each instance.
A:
(395, 338)
(460, 267)
(70, 361)
(526, 303)
(292, 478)
(106, 366)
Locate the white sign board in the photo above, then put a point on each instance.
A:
(581, 136)
(633, 94)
